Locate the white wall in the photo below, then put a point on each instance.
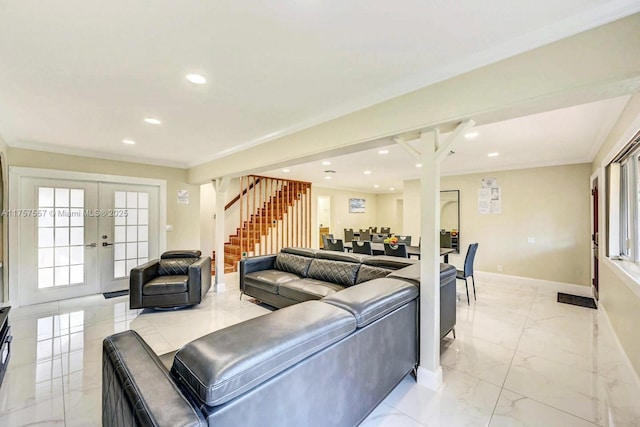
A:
(207, 215)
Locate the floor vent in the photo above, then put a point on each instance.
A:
(576, 300)
(114, 294)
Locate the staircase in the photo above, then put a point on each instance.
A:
(273, 213)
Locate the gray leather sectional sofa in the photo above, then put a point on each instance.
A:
(295, 275)
(326, 362)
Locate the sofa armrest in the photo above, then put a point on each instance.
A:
(137, 278)
(138, 390)
(255, 263)
(199, 279)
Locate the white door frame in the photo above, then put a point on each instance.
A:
(16, 173)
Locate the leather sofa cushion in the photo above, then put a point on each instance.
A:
(369, 272)
(269, 280)
(374, 299)
(342, 256)
(137, 389)
(291, 263)
(308, 289)
(306, 252)
(342, 273)
(412, 273)
(163, 285)
(446, 271)
(181, 254)
(175, 266)
(226, 363)
(392, 262)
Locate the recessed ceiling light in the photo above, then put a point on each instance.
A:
(128, 141)
(383, 151)
(327, 177)
(418, 165)
(471, 135)
(196, 79)
(326, 163)
(367, 172)
(376, 186)
(391, 189)
(286, 170)
(152, 121)
(493, 154)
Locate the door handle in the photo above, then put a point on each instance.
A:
(92, 245)
(107, 244)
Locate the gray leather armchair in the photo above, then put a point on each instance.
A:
(177, 279)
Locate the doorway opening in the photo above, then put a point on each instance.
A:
(324, 217)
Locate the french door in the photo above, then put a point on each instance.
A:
(83, 237)
(129, 236)
(58, 251)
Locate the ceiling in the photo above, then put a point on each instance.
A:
(564, 136)
(79, 77)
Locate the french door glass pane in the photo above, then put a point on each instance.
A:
(60, 236)
(131, 231)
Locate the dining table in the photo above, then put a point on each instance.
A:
(378, 249)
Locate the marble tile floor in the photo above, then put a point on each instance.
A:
(519, 359)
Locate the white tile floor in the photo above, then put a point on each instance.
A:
(520, 359)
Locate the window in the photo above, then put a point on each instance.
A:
(131, 232)
(60, 236)
(624, 203)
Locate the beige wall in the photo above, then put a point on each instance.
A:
(390, 208)
(341, 218)
(411, 208)
(549, 204)
(617, 295)
(183, 218)
(623, 309)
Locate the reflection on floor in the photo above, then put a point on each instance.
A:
(520, 359)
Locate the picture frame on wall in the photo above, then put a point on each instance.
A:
(357, 205)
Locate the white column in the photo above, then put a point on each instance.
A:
(430, 371)
(220, 187)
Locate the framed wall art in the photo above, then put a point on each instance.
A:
(357, 205)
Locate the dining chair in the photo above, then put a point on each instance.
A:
(445, 239)
(373, 230)
(378, 238)
(362, 248)
(348, 235)
(334, 245)
(326, 237)
(468, 270)
(385, 230)
(399, 250)
(404, 239)
(365, 235)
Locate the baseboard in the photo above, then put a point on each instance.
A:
(430, 379)
(567, 288)
(603, 308)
